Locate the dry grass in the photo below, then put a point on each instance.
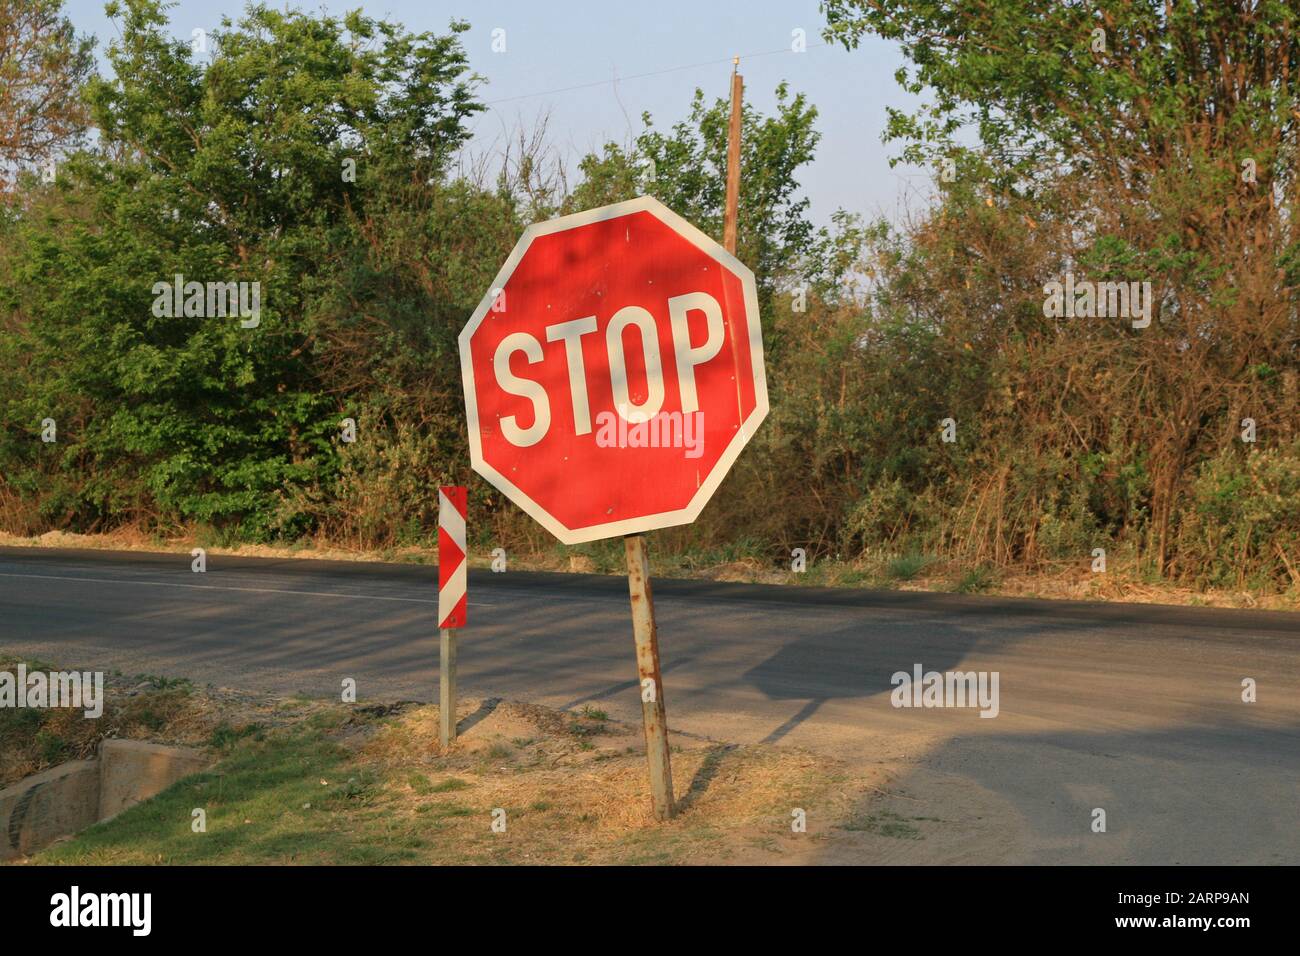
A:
(1119, 584)
(303, 781)
(575, 790)
(130, 539)
(136, 707)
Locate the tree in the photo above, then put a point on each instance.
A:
(270, 165)
(686, 168)
(1153, 141)
(43, 64)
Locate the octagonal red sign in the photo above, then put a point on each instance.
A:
(614, 372)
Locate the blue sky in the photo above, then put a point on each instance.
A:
(553, 45)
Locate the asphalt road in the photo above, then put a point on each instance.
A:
(1135, 709)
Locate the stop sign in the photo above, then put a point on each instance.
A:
(614, 372)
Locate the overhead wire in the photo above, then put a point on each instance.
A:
(641, 76)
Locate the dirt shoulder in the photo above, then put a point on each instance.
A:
(306, 781)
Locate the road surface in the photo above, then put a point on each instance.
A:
(1134, 709)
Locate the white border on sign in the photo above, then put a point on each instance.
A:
(665, 519)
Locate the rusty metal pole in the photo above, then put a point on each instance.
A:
(653, 714)
(447, 687)
(733, 159)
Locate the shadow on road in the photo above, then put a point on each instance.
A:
(1216, 794)
(857, 660)
(623, 686)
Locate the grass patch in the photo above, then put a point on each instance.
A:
(35, 739)
(850, 577)
(161, 709)
(224, 735)
(908, 566)
(977, 581)
(270, 799)
(325, 790)
(885, 823)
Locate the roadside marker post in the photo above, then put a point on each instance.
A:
(452, 600)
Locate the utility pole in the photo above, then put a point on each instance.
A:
(733, 158)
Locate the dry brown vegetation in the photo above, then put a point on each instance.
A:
(136, 707)
(301, 781)
(1127, 164)
(43, 64)
(574, 789)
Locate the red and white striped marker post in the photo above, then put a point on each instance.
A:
(452, 599)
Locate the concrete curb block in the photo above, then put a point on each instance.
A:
(66, 799)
